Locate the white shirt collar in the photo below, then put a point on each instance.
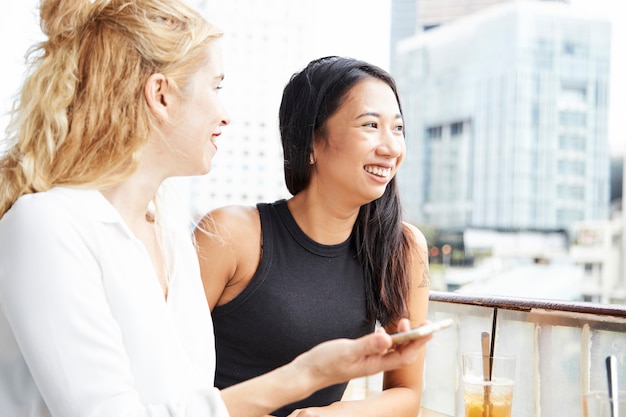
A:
(92, 201)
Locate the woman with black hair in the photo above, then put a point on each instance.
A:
(334, 259)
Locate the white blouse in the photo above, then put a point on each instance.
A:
(85, 330)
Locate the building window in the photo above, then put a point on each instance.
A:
(573, 48)
(433, 132)
(568, 216)
(569, 48)
(568, 167)
(572, 143)
(544, 54)
(571, 192)
(574, 94)
(572, 119)
(534, 115)
(456, 129)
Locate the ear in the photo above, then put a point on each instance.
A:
(157, 94)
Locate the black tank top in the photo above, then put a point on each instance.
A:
(302, 294)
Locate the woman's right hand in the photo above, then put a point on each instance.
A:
(340, 360)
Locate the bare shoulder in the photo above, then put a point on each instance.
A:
(229, 223)
(417, 235)
(228, 235)
(228, 241)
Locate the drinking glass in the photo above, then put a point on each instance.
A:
(488, 395)
(598, 404)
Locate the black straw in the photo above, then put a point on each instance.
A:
(611, 373)
(493, 340)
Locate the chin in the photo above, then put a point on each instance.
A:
(205, 168)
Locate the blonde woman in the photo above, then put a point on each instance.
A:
(102, 310)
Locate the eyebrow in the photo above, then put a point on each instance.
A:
(371, 113)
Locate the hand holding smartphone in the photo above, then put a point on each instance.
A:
(421, 331)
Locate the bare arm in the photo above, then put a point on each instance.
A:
(406, 383)
(228, 242)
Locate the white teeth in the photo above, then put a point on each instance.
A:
(381, 172)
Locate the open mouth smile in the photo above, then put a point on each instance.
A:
(378, 171)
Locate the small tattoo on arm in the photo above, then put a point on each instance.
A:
(425, 279)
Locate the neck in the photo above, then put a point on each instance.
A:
(132, 199)
(324, 221)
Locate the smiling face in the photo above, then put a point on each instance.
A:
(196, 118)
(361, 146)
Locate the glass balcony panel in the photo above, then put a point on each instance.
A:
(560, 348)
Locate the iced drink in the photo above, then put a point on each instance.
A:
(488, 385)
(487, 399)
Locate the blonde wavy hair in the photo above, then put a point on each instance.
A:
(81, 119)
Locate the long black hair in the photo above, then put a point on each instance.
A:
(381, 242)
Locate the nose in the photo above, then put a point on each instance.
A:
(391, 144)
(225, 116)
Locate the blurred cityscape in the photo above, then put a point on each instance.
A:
(509, 170)
(506, 104)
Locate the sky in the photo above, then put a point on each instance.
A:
(19, 29)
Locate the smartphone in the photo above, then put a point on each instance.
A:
(420, 331)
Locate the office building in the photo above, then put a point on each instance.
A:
(410, 17)
(434, 13)
(506, 114)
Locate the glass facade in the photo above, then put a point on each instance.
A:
(508, 118)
